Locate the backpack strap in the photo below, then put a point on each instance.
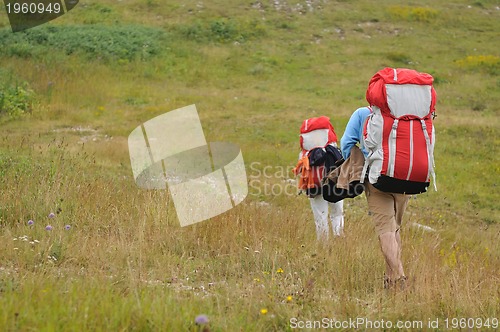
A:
(362, 141)
(395, 74)
(430, 154)
(392, 147)
(410, 168)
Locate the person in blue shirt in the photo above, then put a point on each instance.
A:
(386, 209)
(353, 133)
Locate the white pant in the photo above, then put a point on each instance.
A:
(320, 211)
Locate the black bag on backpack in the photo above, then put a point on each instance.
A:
(329, 157)
(332, 193)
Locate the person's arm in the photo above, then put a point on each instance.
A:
(352, 134)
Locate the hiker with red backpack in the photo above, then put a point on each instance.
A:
(397, 138)
(318, 152)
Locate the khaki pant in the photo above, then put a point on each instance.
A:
(386, 209)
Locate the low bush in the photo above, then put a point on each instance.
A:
(16, 98)
(221, 31)
(128, 42)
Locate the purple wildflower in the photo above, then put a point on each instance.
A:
(52, 215)
(201, 320)
(67, 227)
(48, 228)
(31, 222)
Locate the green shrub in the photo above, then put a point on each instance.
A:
(222, 31)
(15, 98)
(126, 42)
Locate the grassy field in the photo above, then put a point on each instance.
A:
(116, 259)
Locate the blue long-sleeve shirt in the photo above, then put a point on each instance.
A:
(353, 133)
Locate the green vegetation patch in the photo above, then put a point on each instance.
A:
(221, 30)
(16, 98)
(419, 14)
(399, 57)
(488, 63)
(128, 42)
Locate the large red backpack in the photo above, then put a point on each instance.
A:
(314, 133)
(399, 133)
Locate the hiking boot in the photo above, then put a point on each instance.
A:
(398, 284)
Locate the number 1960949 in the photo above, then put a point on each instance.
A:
(33, 8)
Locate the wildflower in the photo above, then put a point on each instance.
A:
(67, 227)
(289, 298)
(48, 228)
(51, 215)
(201, 320)
(256, 279)
(263, 311)
(31, 222)
(280, 270)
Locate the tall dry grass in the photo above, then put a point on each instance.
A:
(126, 264)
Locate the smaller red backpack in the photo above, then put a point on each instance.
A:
(315, 135)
